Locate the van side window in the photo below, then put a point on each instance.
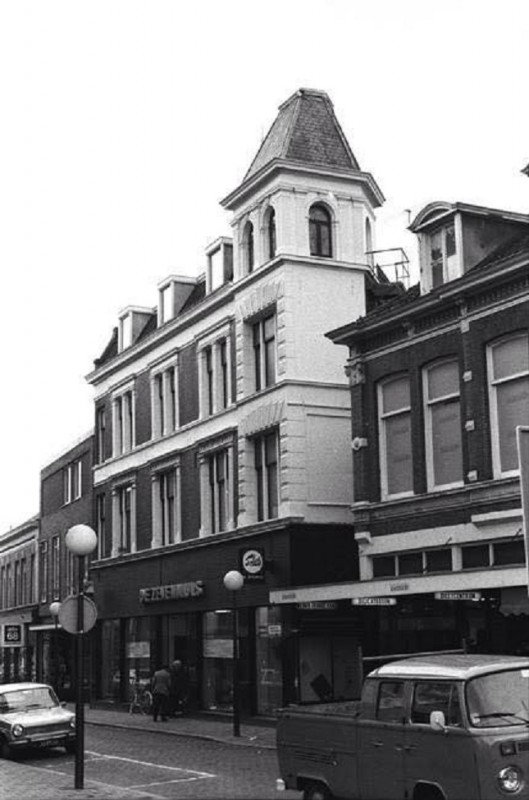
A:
(431, 696)
(390, 706)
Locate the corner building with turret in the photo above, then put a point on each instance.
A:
(222, 432)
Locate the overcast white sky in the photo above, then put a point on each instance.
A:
(124, 122)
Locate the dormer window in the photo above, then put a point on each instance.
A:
(125, 331)
(320, 231)
(220, 264)
(442, 254)
(271, 231)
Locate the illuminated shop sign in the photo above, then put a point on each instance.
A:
(473, 596)
(374, 601)
(12, 636)
(174, 591)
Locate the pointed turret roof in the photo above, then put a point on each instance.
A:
(305, 131)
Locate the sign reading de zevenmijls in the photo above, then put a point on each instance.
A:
(12, 635)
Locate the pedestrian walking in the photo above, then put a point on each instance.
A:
(160, 687)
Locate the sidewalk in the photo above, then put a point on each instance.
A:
(200, 726)
(19, 781)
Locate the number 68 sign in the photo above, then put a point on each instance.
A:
(12, 635)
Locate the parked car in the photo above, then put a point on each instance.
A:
(444, 727)
(32, 716)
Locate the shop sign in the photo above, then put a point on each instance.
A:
(138, 650)
(274, 630)
(374, 601)
(252, 564)
(12, 635)
(318, 605)
(473, 596)
(174, 591)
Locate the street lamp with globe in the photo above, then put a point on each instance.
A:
(55, 607)
(81, 540)
(233, 581)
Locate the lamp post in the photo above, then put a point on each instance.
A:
(233, 581)
(55, 607)
(80, 540)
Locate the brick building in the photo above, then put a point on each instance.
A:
(65, 500)
(18, 598)
(439, 381)
(222, 442)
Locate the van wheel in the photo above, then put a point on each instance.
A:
(317, 791)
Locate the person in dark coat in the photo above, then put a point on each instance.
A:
(161, 688)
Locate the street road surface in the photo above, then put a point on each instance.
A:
(170, 767)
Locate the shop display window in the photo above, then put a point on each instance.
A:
(268, 659)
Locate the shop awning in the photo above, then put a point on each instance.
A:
(404, 585)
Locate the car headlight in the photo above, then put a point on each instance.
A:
(510, 779)
(72, 722)
(17, 730)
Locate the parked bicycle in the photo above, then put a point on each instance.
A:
(140, 699)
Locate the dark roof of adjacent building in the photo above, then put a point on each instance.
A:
(305, 131)
(512, 249)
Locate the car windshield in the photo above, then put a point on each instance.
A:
(25, 699)
(499, 699)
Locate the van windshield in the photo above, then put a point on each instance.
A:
(499, 699)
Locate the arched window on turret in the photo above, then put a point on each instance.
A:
(271, 233)
(320, 231)
(248, 247)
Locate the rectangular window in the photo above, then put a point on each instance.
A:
(439, 560)
(267, 475)
(384, 567)
(100, 435)
(508, 370)
(31, 579)
(410, 564)
(395, 437)
(55, 567)
(72, 477)
(3, 588)
(431, 696)
(474, 556)
(124, 518)
(123, 423)
(442, 414)
(17, 584)
(167, 492)
(223, 373)
(509, 553)
(24, 597)
(104, 546)
(164, 402)
(219, 489)
(43, 565)
(9, 586)
(264, 349)
(208, 362)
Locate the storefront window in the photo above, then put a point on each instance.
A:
(268, 659)
(110, 671)
(138, 650)
(217, 647)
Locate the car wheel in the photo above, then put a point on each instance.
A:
(317, 791)
(5, 749)
(70, 748)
